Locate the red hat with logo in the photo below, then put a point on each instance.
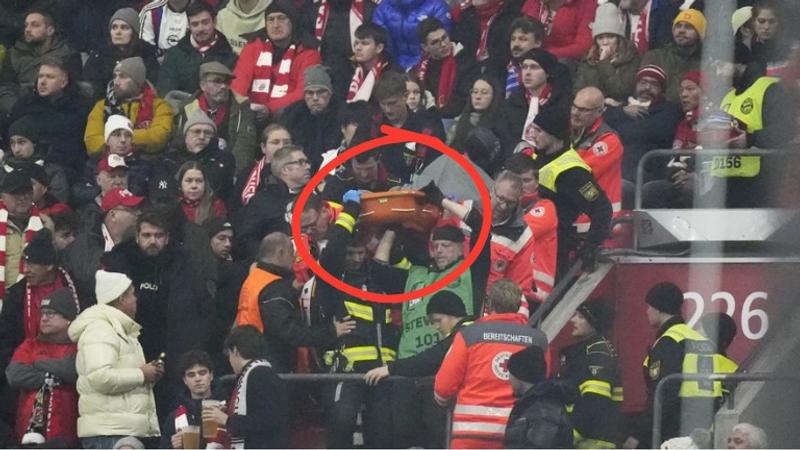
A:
(120, 197)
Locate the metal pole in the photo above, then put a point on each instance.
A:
(448, 430)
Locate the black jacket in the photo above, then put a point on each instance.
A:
(81, 258)
(218, 164)
(194, 414)
(315, 133)
(467, 69)
(230, 277)
(335, 47)
(266, 424)
(285, 329)
(427, 363)
(539, 418)
(467, 32)
(99, 67)
(265, 214)
(402, 161)
(516, 106)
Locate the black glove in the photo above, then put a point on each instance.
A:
(588, 257)
(433, 193)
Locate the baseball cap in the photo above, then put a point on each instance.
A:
(16, 182)
(120, 197)
(110, 162)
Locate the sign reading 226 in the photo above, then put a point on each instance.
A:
(749, 312)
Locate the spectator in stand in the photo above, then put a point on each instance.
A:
(271, 68)
(197, 198)
(202, 44)
(682, 54)
(43, 370)
(131, 96)
(163, 23)
(45, 202)
(772, 44)
(613, 60)
(598, 145)
(363, 173)
(475, 369)
(120, 209)
(122, 42)
(484, 109)
(525, 34)
(176, 305)
(400, 18)
(482, 26)
(241, 17)
(266, 212)
(23, 138)
(417, 98)
(567, 25)
(745, 435)
(235, 121)
(352, 117)
(257, 416)
(313, 121)
(371, 60)
(646, 122)
(56, 102)
(539, 91)
(648, 23)
(446, 70)
(40, 41)
(400, 160)
(112, 173)
(115, 383)
(254, 177)
(539, 418)
(65, 228)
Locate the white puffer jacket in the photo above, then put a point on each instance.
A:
(114, 399)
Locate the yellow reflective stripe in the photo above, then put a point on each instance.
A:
(388, 316)
(358, 310)
(404, 264)
(346, 221)
(360, 354)
(582, 442)
(617, 394)
(595, 387)
(569, 408)
(388, 354)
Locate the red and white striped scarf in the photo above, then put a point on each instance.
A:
(272, 84)
(324, 11)
(361, 86)
(238, 399)
(253, 181)
(202, 48)
(34, 225)
(641, 34)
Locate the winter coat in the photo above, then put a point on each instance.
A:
(233, 22)
(498, 125)
(571, 33)
(61, 141)
(114, 398)
(467, 69)
(230, 277)
(539, 418)
(99, 67)
(81, 259)
(516, 107)
(21, 68)
(617, 78)
(675, 61)
(315, 133)
(400, 19)
(266, 423)
(335, 46)
(466, 26)
(58, 187)
(265, 213)
(180, 70)
(85, 190)
(219, 166)
(238, 130)
(31, 362)
(174, 302)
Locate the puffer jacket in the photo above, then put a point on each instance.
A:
(114, 399)
(400, 19)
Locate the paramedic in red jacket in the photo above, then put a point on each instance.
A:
(475, 371)
(271, 67)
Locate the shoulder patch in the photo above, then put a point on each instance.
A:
(537, 211)
(500, 265)
(589, 191)
(600, 148)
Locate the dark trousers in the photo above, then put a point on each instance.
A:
(343, 402)
(418, 420)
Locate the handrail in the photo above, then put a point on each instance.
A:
(733, 378)
(697, 153)
(560, 289)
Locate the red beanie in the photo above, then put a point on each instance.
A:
(653, 71)
(694, 76)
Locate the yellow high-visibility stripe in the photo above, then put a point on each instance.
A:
(595, 387)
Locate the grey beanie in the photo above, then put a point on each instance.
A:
(316, 76)
(134, 68)
(607, 20)
(129, 16)
(199, 117)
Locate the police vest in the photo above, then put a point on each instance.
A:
(248, 312)
(699, 357)
(548, 175)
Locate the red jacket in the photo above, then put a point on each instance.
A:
(543, 222)
(475, 372)
(190, 209)
(512, 256)
(601, 148)
(571, 33)
(248, 71)
(63, 412)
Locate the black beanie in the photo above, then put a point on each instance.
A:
(41, 250)
(447, 233)
(25, 127)
(554, 121)
(720, 328)
(665, 297)
(546, 60)
(448, 303)
(599, 315)
(528, 365)
(286, 7)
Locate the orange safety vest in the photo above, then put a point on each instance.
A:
(248, 312)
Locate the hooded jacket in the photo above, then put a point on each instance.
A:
(233, 22)
(114, 399)
(539, 418)
(400, 19)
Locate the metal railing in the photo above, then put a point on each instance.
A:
(732, 379)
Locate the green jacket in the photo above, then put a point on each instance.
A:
(616, 79)
(181, 68)
(675, 61)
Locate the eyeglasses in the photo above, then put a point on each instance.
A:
(584, 110)
(299, 162)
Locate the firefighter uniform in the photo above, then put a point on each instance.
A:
(542, 219)
(475, 372)
(601, 148)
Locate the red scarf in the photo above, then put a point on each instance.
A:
(447, 77)
(641, 35)
(544, 96)
(34, 225)
(486, 15)
(272, 78)
(253, 181)
(145, 108)
(33, 300)
(202, 48)
(218, 115)
(323, 13)
(361, 86)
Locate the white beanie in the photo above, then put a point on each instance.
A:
(607, 20)
(110, 286)
(116, 122)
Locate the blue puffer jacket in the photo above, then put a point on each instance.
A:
(400, 19)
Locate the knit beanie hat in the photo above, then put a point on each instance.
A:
(447, 233)
(197, 118)
(448, 303)
(25, 127)
(695, 76)
(554, 121)
(134, 68)
(41, 250)
(63, 302)
(528, 365)
(116, 122)
(665, 297)
(317, 77)
(546, 60)
(129, 16)
(607, 20)
(740, 17)
(655, 72)
(216, 225)
(110, 286)
(694, 18)
(599, 315)
(286, 7)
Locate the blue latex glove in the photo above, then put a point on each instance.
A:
(352, 195)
